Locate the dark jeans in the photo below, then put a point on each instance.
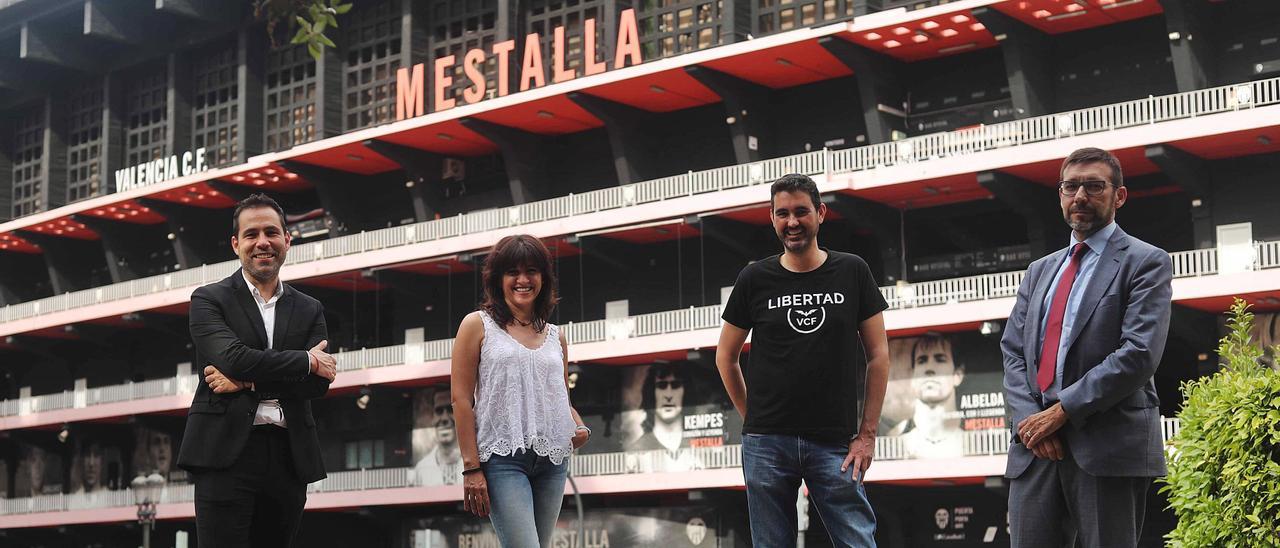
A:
(257, 501)
(774, 465)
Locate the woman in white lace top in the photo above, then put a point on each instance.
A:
(515, 425)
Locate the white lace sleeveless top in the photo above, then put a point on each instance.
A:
(521, 400)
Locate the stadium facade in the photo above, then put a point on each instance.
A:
(637, 140)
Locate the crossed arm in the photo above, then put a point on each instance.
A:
(235, 366)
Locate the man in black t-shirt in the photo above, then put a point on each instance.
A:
(808, 308)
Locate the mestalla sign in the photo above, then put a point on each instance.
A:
(160, 170)
(532, 73)
(614, 527)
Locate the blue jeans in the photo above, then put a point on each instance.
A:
(774, 465)
(525, 492)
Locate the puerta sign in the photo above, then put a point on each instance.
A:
(161, 169)
(532, 74)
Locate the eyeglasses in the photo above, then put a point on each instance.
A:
(1092, 188)
(665, 385)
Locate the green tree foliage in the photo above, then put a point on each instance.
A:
(311, 17)
(1224, 469)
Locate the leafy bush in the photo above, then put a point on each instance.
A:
(1224, 469)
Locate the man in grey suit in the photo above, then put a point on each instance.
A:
(1081, 347)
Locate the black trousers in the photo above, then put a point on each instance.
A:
(257, 502)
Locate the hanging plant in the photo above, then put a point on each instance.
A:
(311, 17)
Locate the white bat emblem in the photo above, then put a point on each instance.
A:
(806, 321)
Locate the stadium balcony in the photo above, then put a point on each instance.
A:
(913, 309)
(1223, 122)
(595, 474)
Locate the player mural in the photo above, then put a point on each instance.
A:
(39, 471)
(942, 386)
(436, 456)
(1266, 333)
(667, 416)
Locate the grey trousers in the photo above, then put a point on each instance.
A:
(1055, 503)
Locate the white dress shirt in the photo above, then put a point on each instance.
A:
(269, 411)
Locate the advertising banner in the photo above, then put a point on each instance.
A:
(437, 460)
(945, 389)
(668, 527)
(1266, 333)
(96, 465)
(960, 519)
(39, 471)
(154, 451)
(667, 416)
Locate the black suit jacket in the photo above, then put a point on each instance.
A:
(228, 332)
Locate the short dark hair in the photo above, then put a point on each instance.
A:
(795, 182)
(648, 396)
(930, 340)
(254, 200)
(513, 252)
(1095, 156)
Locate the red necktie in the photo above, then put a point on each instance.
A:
(1053, 327)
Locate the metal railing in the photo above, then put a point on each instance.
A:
(916, 149)
(1151, 110)
(975, 443)
(360, 480)
(1266, 254)
(1199, 262)
(191, 278)
(954, 290)
(1169, 427)
(1186, 264)
(1204, 262)
(369, 358)
(47, 402)
(656, 460)
(62, 502)
(71, 399)
(141, 390)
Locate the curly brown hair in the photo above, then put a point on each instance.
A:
(520, 250)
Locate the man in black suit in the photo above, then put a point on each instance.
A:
(250, 442)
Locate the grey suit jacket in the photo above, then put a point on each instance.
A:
(1112, 353)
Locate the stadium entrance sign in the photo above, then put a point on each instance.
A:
(160, 170)
(409, 82)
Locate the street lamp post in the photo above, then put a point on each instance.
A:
(146, 495)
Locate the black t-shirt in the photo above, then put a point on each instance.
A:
(806, 363)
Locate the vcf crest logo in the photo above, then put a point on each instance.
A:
(806, 320)
(696, 530)
(806, 312)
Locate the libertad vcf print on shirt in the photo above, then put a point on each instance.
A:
(806, 358)
(806, 312)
